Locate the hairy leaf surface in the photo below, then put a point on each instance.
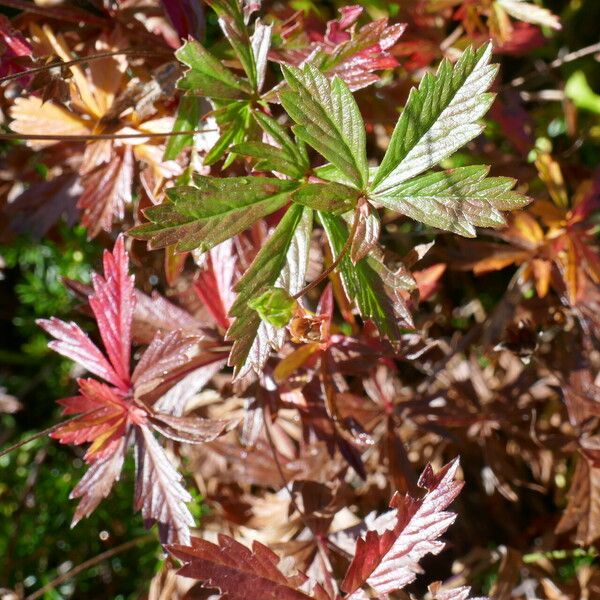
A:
(456, 200)
(213, 211)
(440, 116)
(328, 119)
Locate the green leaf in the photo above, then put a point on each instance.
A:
(328, 120)
(207, 76)
(212, 212)
(374, 299)
(439, 117)
(232, 23)
(578, 90)
(275, 306)
(188, 117)
(456, 200)
(234, 121)
(281, 262)
(269, 158)
(329, 197)
(289, 158)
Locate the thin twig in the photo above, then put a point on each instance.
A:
(83, 59)
(567, 58)
(335, 263)
(89, 563)
(99, 136)
(40, 434)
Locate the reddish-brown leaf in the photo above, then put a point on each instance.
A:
(389, 561)
(107, 190)
(236, 570)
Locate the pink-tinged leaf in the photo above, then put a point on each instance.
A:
(175, 399)
(353, 56)
(105, 417)
(107, 189)
(367, 232)
(389, 561)
(367, 53)
(166, 352)
(97, 482)
(155, 313)
(72, 342)
(113, 303)
(214, 284)
(459, 593)
(158, 490)
(235, 570)
(190, 430)
(336, 28)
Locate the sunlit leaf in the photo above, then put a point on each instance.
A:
(328, 119)
(456, 200)
(440, 116)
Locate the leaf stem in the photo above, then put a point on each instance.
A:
(36, 436)
(82, 59)
(335, 263)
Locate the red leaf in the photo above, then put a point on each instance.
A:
(73, 343)
(214, 284)
(389, 561)
(106, 415)
(113, 304)
(158, 490)
(97, 482)
(166, 352)
(187, 17)
(235, 570)
(352, 56)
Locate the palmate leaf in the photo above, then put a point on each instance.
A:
(389, 561)
(328, 119)
(455, 200)
(212, 212)
(439, 117)
(239, 572)
(363, 284)
(281, 263)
